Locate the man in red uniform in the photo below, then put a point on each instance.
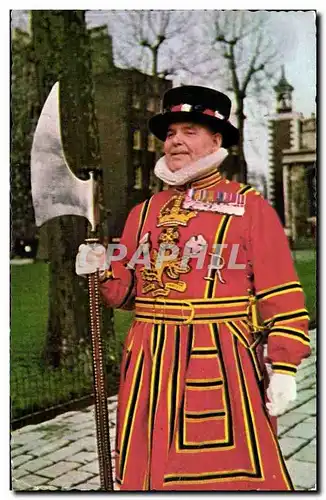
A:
(192, 412)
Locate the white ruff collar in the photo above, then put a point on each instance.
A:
(191, 171)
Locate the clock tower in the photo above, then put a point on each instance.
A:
(282, 126)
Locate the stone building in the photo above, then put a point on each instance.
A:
(125, 99)
(292, 164)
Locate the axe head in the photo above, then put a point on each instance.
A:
(56, 190)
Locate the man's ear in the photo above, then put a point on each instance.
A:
(218, 139)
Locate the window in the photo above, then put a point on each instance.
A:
(312, 190)
(152, 180)
(151, 104)
(151, 142)
(135, 101)
(137, 140)
(138, 177)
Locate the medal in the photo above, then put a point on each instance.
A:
(220, 202)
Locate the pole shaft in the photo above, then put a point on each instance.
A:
(101, 409)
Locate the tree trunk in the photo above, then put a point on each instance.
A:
(240, 149)
(62, 53)
(155, 61)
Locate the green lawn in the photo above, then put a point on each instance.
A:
(33, 385)
(29, 308)
(305, 263)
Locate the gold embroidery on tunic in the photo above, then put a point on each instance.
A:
(170, 216)
(175, 215)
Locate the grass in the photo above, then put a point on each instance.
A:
(29, 309)
(33, 386)
(305, 264)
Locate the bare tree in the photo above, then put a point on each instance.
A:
(150, 40)
(243, 58)
(258, 180)
(249, 55)
(231, 50)
(61, 51)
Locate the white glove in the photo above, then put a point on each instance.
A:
(90, 258)
(282, 390)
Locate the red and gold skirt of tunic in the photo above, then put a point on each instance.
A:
(187, 419)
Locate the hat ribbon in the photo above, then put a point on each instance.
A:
(189, 107)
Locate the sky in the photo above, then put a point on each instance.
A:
(294, 33)
(297, 30)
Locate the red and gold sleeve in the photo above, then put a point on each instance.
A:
(279, 294)
(119, 287)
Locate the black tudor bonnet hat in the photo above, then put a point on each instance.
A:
(192, 103)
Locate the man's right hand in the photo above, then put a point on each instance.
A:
(90, 258)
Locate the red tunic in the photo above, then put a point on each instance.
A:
(191, 412)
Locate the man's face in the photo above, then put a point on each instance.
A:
(187, 142)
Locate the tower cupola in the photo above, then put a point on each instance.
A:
(283, 94)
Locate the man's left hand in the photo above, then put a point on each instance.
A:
(282, 390)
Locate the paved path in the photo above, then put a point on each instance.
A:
(60, 454)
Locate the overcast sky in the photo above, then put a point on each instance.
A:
(295, 34)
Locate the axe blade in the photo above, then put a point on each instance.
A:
(56, 191)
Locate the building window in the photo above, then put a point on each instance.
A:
(135, 101)
(312, 190)
(138, 177)
(151, 103)
(156, 86)
(151, 143)
(152, 180)
(137, 139)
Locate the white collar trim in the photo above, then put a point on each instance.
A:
(191, 171)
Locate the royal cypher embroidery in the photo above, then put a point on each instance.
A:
(170, 217)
